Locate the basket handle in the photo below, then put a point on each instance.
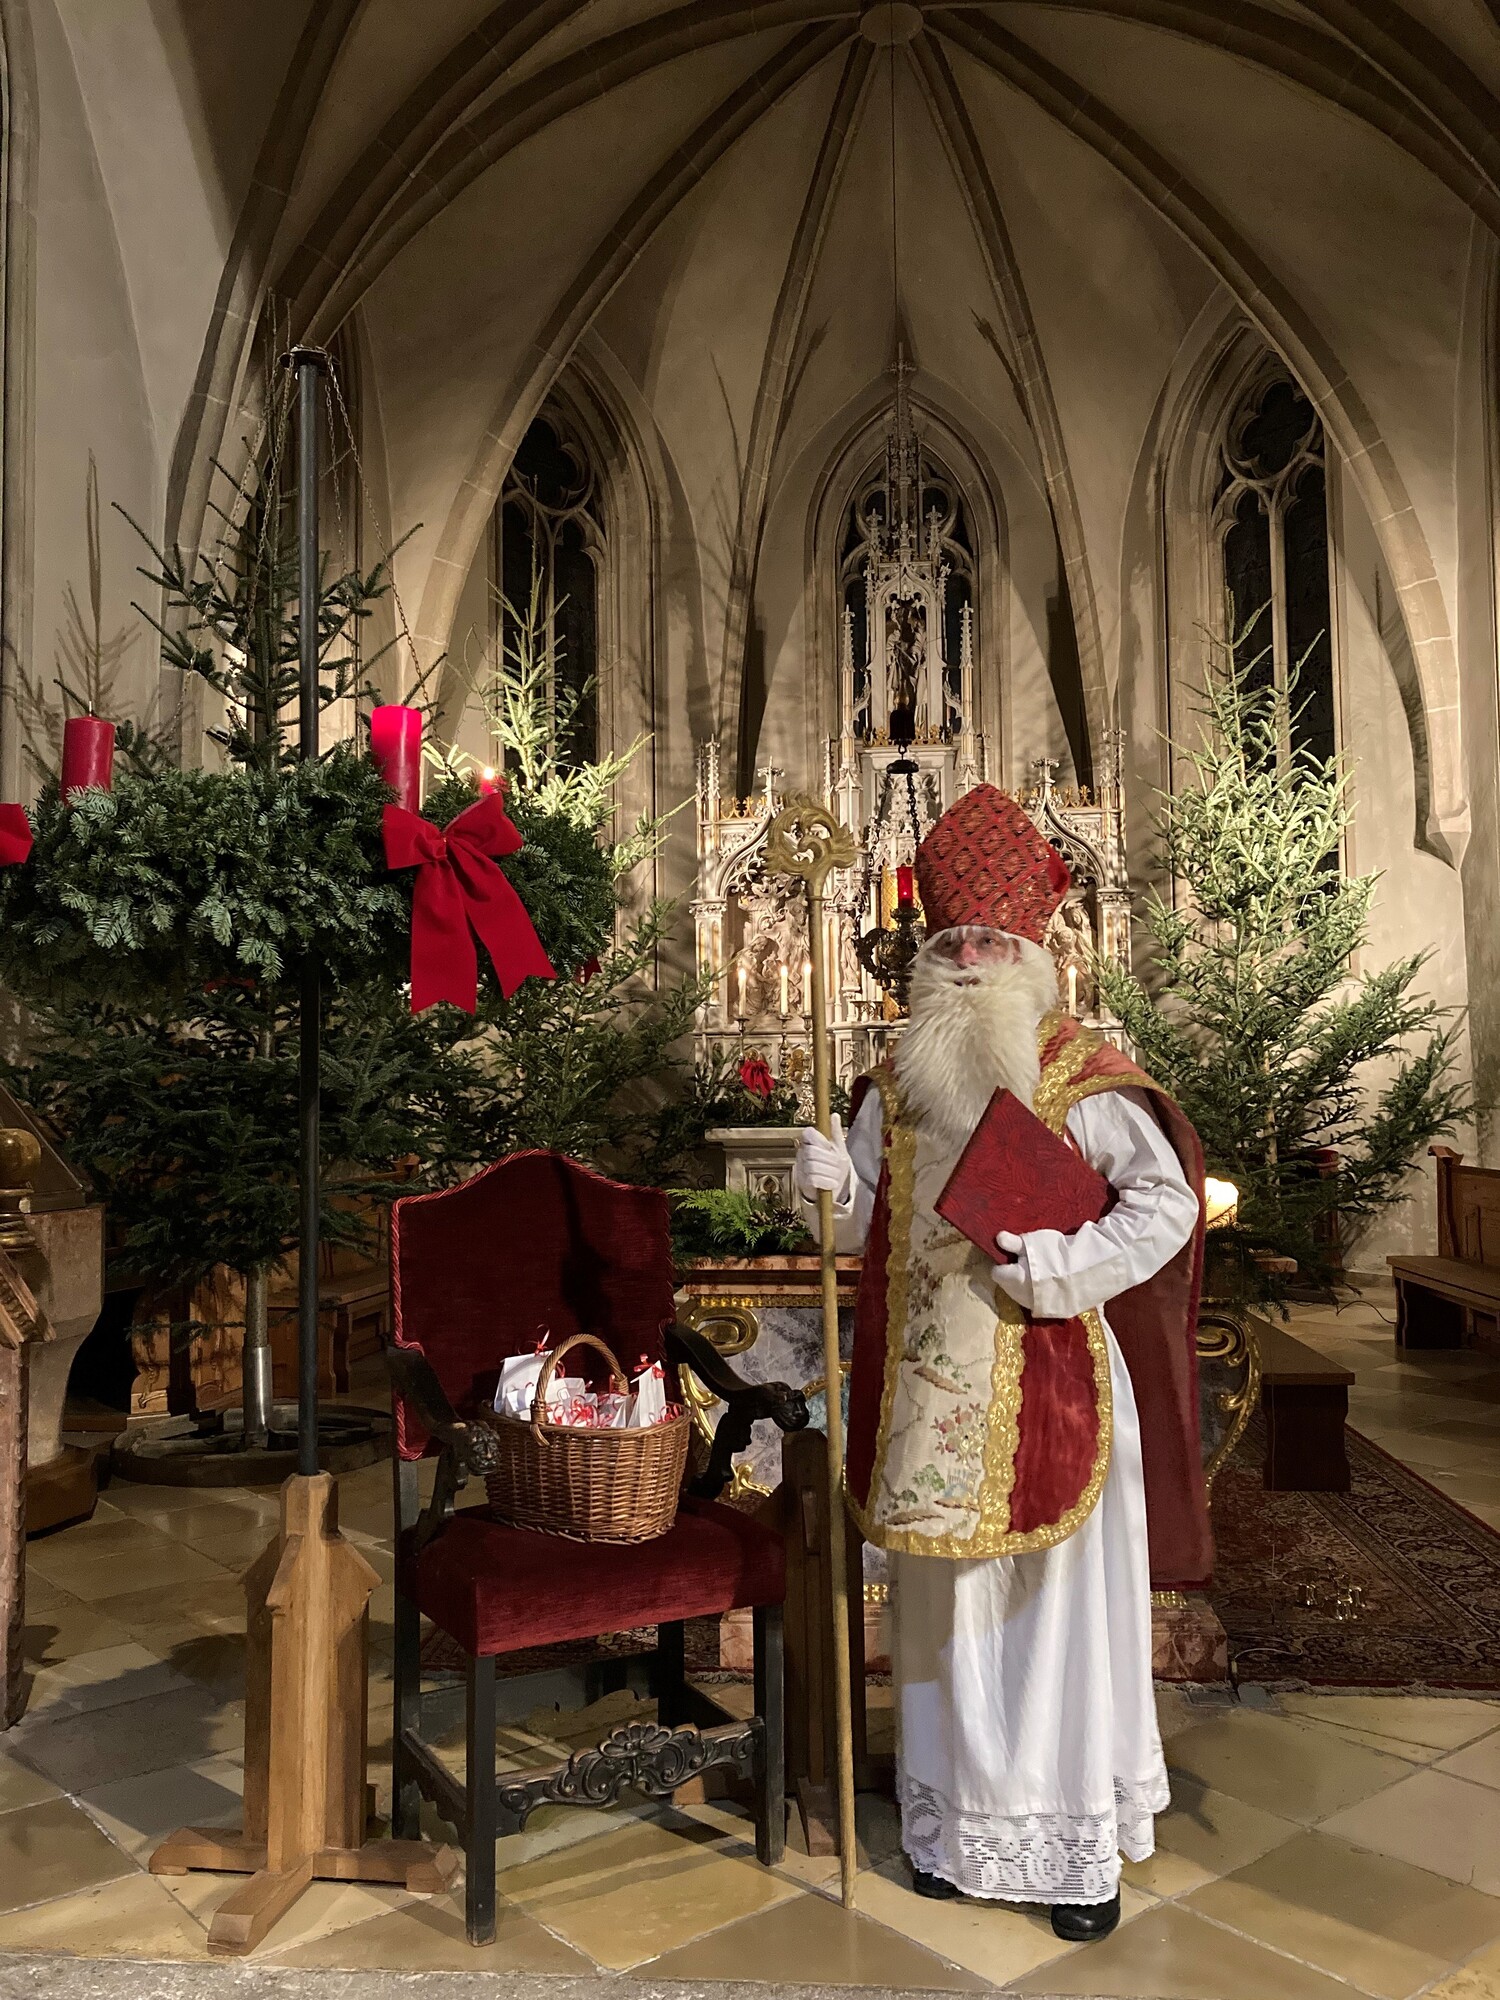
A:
(549, 1369)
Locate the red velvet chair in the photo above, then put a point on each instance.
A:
(540, 1243)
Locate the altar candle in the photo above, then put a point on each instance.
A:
(1072, 989)
(807, 987)
(904, 886)
(396, 746)
(88, 754)
(741, 1008)
(488, 782)
(785, 989)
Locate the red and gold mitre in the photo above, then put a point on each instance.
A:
(985, 863)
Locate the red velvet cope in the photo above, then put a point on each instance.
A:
(497, 1589)
(533, 1249)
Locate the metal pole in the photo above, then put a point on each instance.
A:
(308, 362)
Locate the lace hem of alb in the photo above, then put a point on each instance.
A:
(1031, 1857)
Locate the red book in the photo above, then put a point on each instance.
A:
(1016, 1175)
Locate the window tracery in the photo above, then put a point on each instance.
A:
(551, 551)
(1271, 519)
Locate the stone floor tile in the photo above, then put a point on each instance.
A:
(105, 1679)
(1169, 1953)
(62, 1627)
(1435, 1821)
(133, 1917)
(877, 1828)
(106, 1534)
(82, 1752)
(1380, 1923)
(1281, 1765)
(1480, 1761)
(1165, 1874)
(1478, 1980)
(138, 1813)
(162, 1619)
(1214, 1830)
(1412, 1721)
(51, 1849)
(643, 1890)
(166, 1565)
(813, 1941)
(428, 1936)
(21, 1786)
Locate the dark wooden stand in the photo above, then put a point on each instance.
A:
(1306, 1403)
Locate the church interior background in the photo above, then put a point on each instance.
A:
(888, 399)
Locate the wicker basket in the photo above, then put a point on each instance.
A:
(590, 1485)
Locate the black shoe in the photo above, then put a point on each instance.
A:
(932, 1885)
(1082, 1923)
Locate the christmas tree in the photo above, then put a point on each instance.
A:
(1313, 1082)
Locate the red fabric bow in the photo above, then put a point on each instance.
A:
(755, 1075)
(461, 893)
(15, 835)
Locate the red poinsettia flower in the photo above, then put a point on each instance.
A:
(755, 1075)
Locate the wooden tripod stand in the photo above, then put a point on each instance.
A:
(306, 1729)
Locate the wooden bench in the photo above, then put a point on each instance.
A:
(1305, 1398)
(1453, 1299)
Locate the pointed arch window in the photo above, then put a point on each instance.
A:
(550, 555)
(1271, 519)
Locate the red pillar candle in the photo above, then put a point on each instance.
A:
(488, 781)
(396, 745)
(904, 889)
(88, 756)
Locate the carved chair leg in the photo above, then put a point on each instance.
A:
(670, 1677)
(770, 1824)
(480, 1833)
(406, 1794)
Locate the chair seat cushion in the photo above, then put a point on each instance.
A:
(496, 1589)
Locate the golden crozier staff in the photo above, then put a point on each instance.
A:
(806, 841)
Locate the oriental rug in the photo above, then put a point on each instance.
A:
(1418, 1576)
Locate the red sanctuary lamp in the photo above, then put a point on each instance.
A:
(396, 746)
(88, 755)
(905, 888)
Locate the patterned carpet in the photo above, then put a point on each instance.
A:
(1427, 1575)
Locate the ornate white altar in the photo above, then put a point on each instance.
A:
(907, 746)
(751, 930)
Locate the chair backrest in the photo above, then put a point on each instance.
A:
(534, 1247)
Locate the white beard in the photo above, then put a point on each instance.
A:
(973, 1031)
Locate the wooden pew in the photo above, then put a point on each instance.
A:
(1453, 1299)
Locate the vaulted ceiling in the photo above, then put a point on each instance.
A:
(704, 192)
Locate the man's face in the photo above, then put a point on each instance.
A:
(972, 947)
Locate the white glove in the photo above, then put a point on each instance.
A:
(822, 1163)
(1013, 1279)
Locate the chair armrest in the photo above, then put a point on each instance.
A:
(746, 1404)
(473, 1446)
(464, 1449)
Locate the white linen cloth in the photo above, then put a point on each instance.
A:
(1028, 1756)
